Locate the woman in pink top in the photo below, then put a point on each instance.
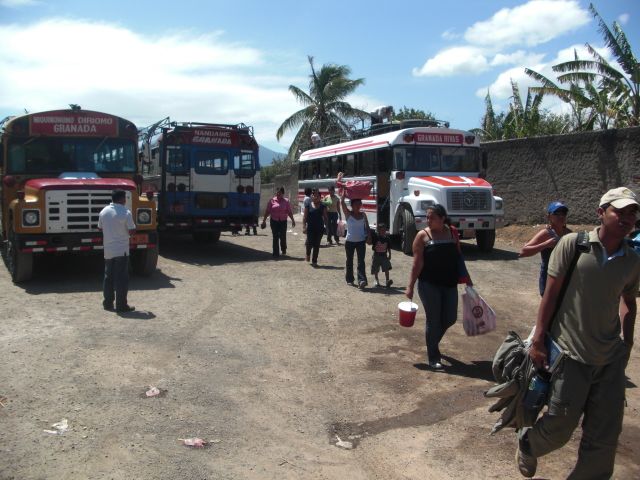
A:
(278, 209)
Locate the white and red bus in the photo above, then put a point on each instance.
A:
(58, 170)
(412, 165)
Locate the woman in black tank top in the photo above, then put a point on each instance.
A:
(436, 267)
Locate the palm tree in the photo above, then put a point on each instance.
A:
(622, 88)
(523, 120)
(492, 124)
(584, 107)
(325, 110)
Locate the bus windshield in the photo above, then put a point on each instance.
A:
(436, 159)
(56, 155)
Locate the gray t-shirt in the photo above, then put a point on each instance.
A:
(588, 325)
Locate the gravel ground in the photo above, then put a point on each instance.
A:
(278, 365)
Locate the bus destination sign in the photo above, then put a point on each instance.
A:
(81, 124)
(214, 136)
(423, 137)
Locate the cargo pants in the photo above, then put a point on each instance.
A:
(599, 393)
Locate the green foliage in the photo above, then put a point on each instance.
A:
(522, 120)
(600, 95)
(324, 109)
(281, 165)
(406, 113)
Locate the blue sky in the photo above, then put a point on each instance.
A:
(229, 62)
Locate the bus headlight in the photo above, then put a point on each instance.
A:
(144, 216)
(30, 218)
(426, 204)
(498, 204)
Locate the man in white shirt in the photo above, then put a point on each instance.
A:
(116, 223)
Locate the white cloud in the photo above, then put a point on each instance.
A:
(530, 24)
(18, 3)
(454, 61)
(107, 67)
(519, 57)
(623, 18)
(450, 34)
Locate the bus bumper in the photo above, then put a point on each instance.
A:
(80, 242)
(208, 224)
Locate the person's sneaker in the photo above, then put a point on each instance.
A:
(108, 308)
(389, 283)
(351, 283)
(329, 243)
(527, 463)
(436, 365)
(314, 264)
(126, 308)
(362, 284)
(377, 283)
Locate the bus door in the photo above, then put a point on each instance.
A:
(383, 185)
(176, 181)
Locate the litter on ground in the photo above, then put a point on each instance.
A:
(343, 444)
(194, 442)
(59, 427)
(152, 392)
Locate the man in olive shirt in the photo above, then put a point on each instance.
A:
(587, 327)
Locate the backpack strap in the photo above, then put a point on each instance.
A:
(582, 246)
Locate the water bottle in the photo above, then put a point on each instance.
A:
(535, 398)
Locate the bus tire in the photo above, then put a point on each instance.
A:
(144, 262)
(485, 240)
(19, 264)
(407, 231)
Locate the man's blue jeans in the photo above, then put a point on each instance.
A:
(116, 282)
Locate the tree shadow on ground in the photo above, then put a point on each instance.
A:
(480, 369)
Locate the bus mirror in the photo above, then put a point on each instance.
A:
(485, 156)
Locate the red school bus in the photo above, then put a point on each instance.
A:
(57, 171)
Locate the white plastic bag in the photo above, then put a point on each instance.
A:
(477, 316)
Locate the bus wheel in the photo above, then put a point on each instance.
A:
(20, 264)
(407, 231)
(144, 262)
(485, 240)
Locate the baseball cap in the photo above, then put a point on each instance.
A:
(555, 206)
(619, 198)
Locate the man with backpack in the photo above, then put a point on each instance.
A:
(587, 327)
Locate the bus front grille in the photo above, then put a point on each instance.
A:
(76, 210)
(469, 200)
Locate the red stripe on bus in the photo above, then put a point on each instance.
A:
(347, 148)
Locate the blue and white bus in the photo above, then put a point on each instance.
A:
(206, 176)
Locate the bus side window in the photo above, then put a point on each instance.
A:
(384, 160)
(368, 163)
(349, 165)
(336, 165)
(303, 174)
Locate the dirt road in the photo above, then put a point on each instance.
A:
(272, 361)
